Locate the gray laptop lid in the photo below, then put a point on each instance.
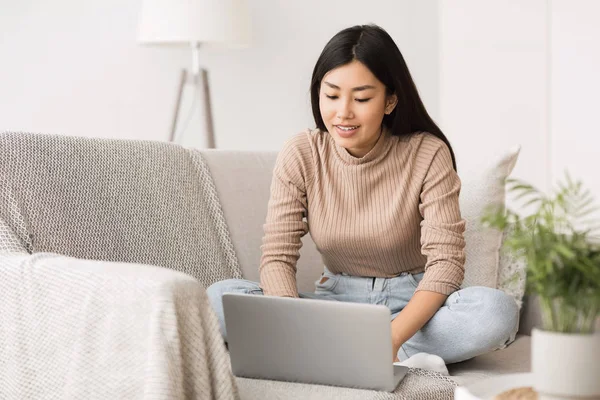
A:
(311, 341)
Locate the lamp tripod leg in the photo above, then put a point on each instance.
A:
(182, 80)
(210, 136)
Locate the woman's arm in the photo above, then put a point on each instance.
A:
(442, 226)
(442, 241)
(421, 307)
(285, 224)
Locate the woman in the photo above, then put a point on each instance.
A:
(376, 186)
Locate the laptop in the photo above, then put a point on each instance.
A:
(311, 341)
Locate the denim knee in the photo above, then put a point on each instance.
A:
(215, 296)
(216, 290)
(495, 323)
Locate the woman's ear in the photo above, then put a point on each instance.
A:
(390, 103)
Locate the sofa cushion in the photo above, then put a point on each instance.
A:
(483, 188)
(513, 359)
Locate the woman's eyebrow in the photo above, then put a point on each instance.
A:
(356, 89)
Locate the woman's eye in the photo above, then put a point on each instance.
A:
(334, 97)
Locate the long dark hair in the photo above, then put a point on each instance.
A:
(375, 48)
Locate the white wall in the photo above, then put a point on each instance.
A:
(493, 74)
(575, 91)
(516, 72)
(74, 67)
(493, 82)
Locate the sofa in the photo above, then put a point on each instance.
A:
(106, 247)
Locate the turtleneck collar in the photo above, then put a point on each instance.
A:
(374, 155)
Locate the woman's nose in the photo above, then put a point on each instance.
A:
(344, 111)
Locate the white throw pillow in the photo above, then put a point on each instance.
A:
(482, 188)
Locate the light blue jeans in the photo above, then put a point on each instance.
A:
(472, 321)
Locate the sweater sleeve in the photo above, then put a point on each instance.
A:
(286, 219)
(442, 228)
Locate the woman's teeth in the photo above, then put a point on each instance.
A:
(347, 128)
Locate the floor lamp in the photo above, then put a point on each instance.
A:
(191, 23)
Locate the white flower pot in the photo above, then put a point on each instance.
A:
(565, 366)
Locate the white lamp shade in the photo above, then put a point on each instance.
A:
(187, 21)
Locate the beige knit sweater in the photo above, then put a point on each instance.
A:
(394, 210)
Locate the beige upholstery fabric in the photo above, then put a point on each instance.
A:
(118, 200)
(511, 360)
(243, 180)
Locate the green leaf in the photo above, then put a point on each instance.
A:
(559, 242)
(564, 251)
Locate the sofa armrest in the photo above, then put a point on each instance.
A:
(72, 328)
(530, 315)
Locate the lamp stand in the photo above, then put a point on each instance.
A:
(198, 76)
(182, 80)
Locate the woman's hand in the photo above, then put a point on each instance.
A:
(419, 310)
(395, 350)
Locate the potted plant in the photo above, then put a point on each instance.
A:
(560, 246)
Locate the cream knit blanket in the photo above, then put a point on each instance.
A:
(81, 329)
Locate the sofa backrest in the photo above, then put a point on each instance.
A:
(243, 182)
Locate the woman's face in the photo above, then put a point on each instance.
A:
(353, 102)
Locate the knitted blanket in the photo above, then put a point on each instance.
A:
(82, 329)
(102, 323)
(418, 384)
(115, 200)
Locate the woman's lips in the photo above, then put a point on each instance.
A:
(346, 133)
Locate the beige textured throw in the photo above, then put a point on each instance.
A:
(76, 328)
(82, 329)
(419, 384)
(117, 200)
